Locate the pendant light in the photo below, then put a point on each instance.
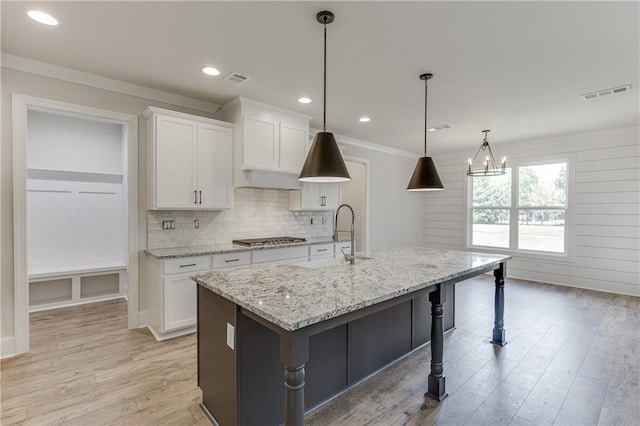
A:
(324, 161)
(425, 176)
(488, 166)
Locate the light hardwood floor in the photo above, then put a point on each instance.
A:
(573, 358)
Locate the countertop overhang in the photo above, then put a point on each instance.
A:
(293, 296)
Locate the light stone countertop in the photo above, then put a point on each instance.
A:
(295, 296)
(170, 253)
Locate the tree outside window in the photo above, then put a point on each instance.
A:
(535, 220)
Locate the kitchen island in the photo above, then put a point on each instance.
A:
(335, 319)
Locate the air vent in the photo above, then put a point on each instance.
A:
(235, 79)
(440, 127)
(606, 92)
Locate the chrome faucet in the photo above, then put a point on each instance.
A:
(351, 258)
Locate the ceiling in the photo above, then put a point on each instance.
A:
(517, 68)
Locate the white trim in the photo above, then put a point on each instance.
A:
(7, 347)
(341, 139)
(21, 105)
(80, 77)
(143, 318)
(367, 209)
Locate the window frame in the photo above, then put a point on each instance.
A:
(515, 164)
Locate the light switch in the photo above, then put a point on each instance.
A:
(230, 336)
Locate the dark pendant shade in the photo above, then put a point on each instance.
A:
(425, 176)
(324, 162)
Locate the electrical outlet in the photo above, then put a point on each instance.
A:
(196, 224)
(313, 220)
(169, 224)
(324, 220)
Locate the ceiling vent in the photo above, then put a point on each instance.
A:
(606, 92)
(440, 127)
(235, 79)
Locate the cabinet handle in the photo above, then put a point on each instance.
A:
(323, 249)
(231, 260)
(200, 192)
(195, 197)
(186, 266)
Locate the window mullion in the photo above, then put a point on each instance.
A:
(513, 211)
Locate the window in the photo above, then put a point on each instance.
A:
(524, 209)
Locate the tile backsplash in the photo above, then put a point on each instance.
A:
(255, 213)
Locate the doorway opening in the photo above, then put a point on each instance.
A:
(75, 199)
(355, 193)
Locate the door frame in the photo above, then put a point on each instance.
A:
(21, 104)
(367, 183)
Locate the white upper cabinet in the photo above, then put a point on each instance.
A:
(268, 142)
(189, 160)
(316, 196)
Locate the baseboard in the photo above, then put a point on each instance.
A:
(7, 347)
(143, 318)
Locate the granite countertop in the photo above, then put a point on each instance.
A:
(168, 253)
(295, 296)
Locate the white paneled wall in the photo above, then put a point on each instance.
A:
(604, 205)
(255, 213)
(74, 225)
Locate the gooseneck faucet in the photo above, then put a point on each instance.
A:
(350, 257)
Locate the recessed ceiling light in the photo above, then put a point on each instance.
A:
(43, 18)
(210, 71)
(364, 119)
(304, 100)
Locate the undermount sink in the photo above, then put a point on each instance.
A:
(336, 261)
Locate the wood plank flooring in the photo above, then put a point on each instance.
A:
(573, 358)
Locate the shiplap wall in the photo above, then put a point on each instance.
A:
(604, 208)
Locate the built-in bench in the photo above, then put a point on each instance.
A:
(56, 288)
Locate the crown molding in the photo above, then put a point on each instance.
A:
(346, 140)
(44, 69)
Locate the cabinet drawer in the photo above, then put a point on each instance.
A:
(285, 253)
(227, 260)
(187, 264)
(321, 249)
(343, 246)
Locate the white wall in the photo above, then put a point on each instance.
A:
(605, 239)
(395, 215)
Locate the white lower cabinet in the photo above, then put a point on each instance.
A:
(172, 295)
(179, 302)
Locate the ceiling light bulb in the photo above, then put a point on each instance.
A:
(210, 71)
(43, 18)
(304, 100)
(364, 119)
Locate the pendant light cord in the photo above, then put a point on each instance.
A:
(425, 117)
(324, 106)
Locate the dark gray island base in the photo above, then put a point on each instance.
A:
(243, 342)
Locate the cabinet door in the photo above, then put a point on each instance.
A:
(179, 302)
(175, 145)
(310, 195)
(332, 195)
(293, 147)
(260, 143)
(214, 166)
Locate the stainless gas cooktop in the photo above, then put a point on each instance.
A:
(256, 242)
